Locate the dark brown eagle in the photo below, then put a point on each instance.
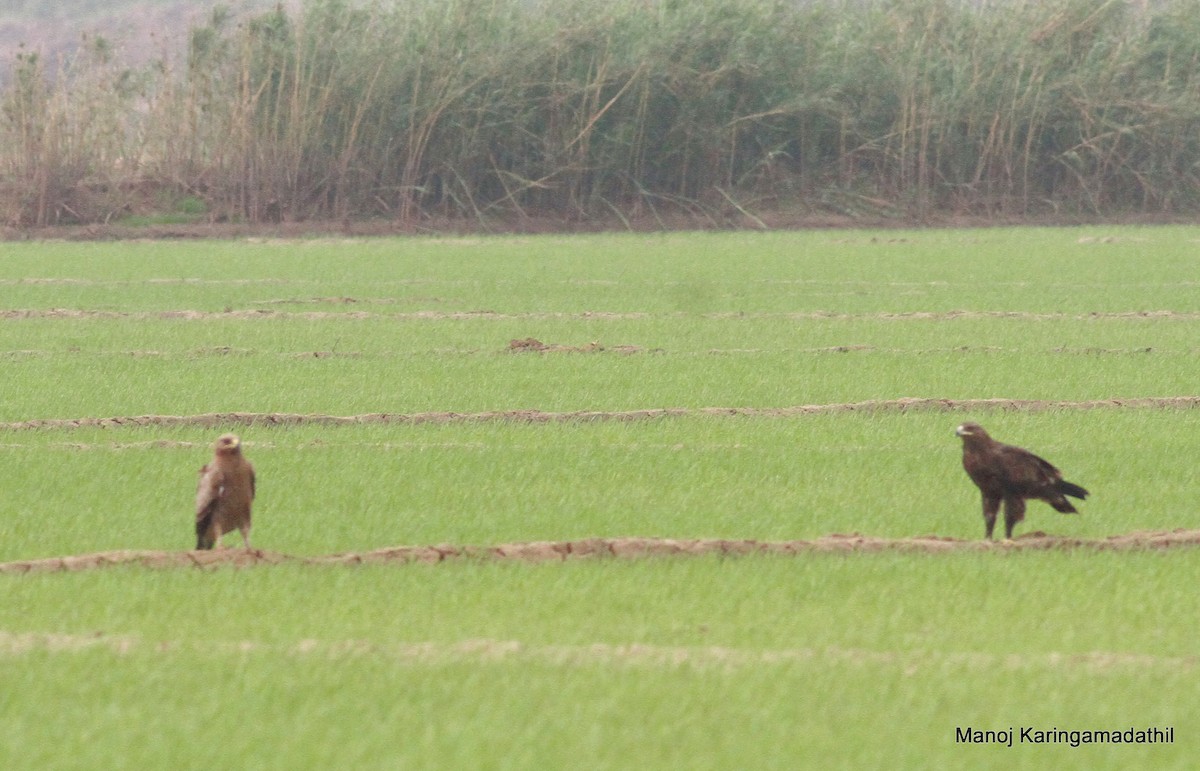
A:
(1010, 474)
(225, 494)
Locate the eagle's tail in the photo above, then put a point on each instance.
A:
(1075, 491)
(1058, 499)
(1062, 505)
(204, 539)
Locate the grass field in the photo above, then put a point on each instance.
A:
(831, 660)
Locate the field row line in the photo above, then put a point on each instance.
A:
(260, 419)
(643, 654)
(431, 315)
(578, 282)
(172, 444)
(593, 347)
(593, 548)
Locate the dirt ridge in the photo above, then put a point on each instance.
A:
(592, 548)
(260, 419)
(533, 345)
(607, 653)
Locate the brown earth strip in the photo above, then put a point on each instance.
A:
(328, 301)
(171, 444)
(625, 548)
(210, 420)
(532, 345)
(607, 653)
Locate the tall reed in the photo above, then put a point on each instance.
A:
(727, 109)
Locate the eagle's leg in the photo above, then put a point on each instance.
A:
(1014, 512)
(990, 507)
(204, 532)
(245, 530)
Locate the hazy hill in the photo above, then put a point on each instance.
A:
(140, 30)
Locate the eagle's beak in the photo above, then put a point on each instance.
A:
(961, 431)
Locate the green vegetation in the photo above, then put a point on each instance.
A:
(767, 478)
(754, 663)
(846, 660)
(627, 111)
(722, 320)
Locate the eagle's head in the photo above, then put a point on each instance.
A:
(971, 429)
(227, 444)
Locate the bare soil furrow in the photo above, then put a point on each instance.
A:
(532, 345)
(607, 653)
(625, 548)
(264, 419)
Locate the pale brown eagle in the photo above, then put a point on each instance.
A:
(1010, 474)
(225, 494)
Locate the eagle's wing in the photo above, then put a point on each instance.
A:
(251, 467)
(208, 492)
(1051, 472)
(1023, 469)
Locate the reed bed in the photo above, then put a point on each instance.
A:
(624, 112)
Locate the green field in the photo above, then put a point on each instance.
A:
(820, 660)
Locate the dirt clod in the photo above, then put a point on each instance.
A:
(533, 345)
